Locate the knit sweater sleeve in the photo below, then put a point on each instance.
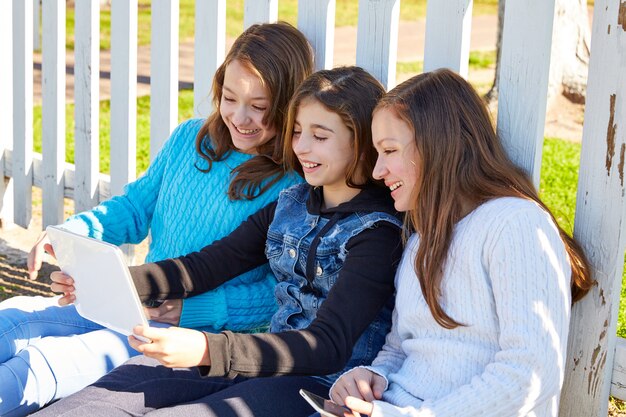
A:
(388, 360)
(126, 218)
(529, 271)
(245, 304)
(207, 269)
(391, 356)
(241, 306)
(364, 285)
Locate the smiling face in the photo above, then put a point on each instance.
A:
(242, 107)
(397, 161)
(323, 144)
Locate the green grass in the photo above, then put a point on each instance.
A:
(185, 105)
(477, 60)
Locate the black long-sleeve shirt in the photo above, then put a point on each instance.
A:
(364, 285)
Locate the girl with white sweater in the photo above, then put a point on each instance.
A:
(486, 282)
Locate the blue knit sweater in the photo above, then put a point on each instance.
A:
(184, 210)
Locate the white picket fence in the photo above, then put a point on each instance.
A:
(595, 367)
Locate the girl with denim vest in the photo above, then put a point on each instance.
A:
(486, 283)
(333, 245)
(208, 177)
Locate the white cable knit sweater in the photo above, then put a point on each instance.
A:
(507, 280)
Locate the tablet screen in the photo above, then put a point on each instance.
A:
(105, 293)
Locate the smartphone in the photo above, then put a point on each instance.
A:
(325, 407)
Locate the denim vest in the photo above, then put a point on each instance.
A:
(289, 239)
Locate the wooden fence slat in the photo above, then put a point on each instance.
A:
(163, 72)
(259, 11)
(210, 34)
(87, 97)
(448, 29)
(316, 19)
(618, 378)
(123, 93)
(36, 24)
(104, 181)
(600, 216)
(377, 39)
(523, 82)
(123, 99)
(22, 110)
(6, 112)
(53, 110)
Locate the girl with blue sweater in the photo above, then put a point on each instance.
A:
(333, 245)
(210, 175)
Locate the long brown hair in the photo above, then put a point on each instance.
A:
(453, 130)
(351, 93)
(282, 58)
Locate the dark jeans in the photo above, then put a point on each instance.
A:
(143, 387)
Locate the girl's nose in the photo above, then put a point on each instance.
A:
(240, 115)
(380, 170)
(300, 145)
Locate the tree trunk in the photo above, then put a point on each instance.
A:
(492, 94)
(570, 51)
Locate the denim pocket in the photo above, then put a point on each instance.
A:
(273, 245)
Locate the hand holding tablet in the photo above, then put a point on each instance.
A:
(105, 293)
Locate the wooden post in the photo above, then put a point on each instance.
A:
(6, 114)
(53, 110)
(377, 39)
(208, 51)
(163, 72)
(36, 25)
(316, 19)
(123, 99)
(448, 31)
(86, 110)
(123, 93)
(22, 110)
(523, 82)
(600, 222)
(259, 11)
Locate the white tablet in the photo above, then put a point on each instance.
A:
(105, 292)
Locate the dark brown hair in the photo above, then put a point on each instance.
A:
(351, 93)
(282, 58)
(453, 130)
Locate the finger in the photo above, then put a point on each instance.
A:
(62, 288)
(335, 395)
(365, 389)
(49, 249)
(151, 313)
(339, 394)
(136, 344)
(378, 386)
(352, 389)
(67, 299)
(152, 333)
(360, 406)
(61, 278)
(33, 262)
